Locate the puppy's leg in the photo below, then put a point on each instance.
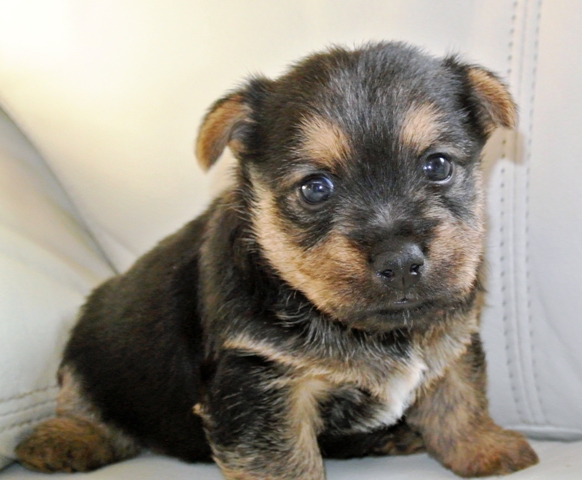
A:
(76, 440)
(456, 427)
(262, 422)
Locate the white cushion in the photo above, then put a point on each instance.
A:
(47, 265)
(532, 325)
(559, 461)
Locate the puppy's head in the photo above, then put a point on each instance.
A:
(363, 168)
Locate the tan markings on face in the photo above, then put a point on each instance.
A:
(494, 98)
(217, 129)
(324, 143)
(421, 127)
(323, 273)
(457, 250)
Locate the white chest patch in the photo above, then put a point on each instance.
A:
(399, 393)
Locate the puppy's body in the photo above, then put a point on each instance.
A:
(327, 303)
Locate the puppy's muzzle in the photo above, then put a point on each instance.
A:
(398, 263)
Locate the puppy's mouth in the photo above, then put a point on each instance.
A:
(406, 302)
(407, 306)
(399, 301)
(411, 306)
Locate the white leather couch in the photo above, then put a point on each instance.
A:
(100, 102)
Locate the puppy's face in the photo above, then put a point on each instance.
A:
(364, 171)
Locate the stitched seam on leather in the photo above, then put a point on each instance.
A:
(521, 320)
(527, 212)
(28, 394)
(30, 407)
(502, 215)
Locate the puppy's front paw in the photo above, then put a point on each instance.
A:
(497, 452)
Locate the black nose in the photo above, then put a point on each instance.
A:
(398, 263)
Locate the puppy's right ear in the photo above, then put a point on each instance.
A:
(486, 95)
(228, 123)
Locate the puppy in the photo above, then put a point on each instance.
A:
(327, 305)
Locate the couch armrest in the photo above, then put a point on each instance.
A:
(48, 263)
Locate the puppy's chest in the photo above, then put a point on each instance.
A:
(377, 391)
(371, 397)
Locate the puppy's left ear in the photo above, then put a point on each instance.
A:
(228, 122)
(488, 97)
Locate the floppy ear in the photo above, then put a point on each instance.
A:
(224, 124)
(229, 122)
(488, 97)
(494, 101)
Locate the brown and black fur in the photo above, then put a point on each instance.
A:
(268, 333)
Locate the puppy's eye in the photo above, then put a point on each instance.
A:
(316, 190)
(438, 168)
